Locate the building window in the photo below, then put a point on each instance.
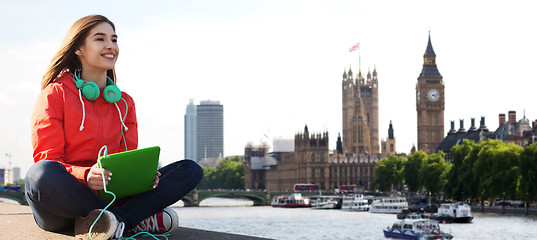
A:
(354, 131)
(313, 157)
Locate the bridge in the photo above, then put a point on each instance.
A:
(15, 196)
(260, 198)
(193, 199)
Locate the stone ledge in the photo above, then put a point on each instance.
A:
(17, 222)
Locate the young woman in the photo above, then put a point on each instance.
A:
(78, 111)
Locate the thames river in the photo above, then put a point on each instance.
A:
(235, 216)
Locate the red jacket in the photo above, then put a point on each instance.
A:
(56, 121)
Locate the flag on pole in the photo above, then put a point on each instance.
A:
(354, 48)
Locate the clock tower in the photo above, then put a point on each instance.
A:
(430, 103)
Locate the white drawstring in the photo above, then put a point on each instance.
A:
(121, 119)
(83, 110)
(84, 113)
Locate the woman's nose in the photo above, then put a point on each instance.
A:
(111, 45)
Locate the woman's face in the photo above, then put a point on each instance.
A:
(100, 49)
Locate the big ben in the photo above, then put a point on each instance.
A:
(430, 103)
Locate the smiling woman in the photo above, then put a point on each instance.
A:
(66, 57)
(99, 53)
(77, 114)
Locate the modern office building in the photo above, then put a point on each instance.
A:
(190, 131)
(204, 131)
(2, 176)
(16, 174)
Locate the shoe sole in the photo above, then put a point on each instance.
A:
(103, 229)
(174, 218)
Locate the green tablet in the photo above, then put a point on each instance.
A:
(133, 172)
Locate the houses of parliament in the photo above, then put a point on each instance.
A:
(308, 159)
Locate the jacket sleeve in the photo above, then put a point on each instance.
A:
(47, 132)
(131, 135)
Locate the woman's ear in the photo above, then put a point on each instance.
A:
(78, 52)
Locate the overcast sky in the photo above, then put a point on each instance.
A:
(277, 65)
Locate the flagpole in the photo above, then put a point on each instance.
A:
(352, 49)
(359, 58)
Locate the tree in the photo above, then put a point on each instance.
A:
(481, 168)
(457, 177)
(412, 169)
(229, 174)
(496, 168)
(527, 178)
(433, 172)
(389, 172)
(504, 173)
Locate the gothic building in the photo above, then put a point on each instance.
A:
(430, 103)
(360, 113)
(312, 161)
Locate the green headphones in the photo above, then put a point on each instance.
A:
(91, 91)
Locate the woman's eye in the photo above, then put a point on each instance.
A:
(99, 39)
(114, 40)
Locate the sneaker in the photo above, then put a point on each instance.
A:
(106, 227)
(162, 222)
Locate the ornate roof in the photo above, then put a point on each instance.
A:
(430, 70)
(429, 51)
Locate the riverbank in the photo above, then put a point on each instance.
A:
(16, 222)
(507, 210)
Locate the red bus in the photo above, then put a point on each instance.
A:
(345, 189)
(306, 187)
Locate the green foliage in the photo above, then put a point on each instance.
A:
(412, 169)
(460, 178)
(492, 169)
(389, 172)
(229, 174)
(488, 169)
(496, 168)
(527, 178)
(433, 171)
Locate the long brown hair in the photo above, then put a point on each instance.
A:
(66, 58)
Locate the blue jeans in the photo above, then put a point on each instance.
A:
(57, 198)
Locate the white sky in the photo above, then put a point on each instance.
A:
(277, 65)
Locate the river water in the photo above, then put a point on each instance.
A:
(236, 216)
(240, 217)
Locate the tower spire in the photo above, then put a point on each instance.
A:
(429, 51)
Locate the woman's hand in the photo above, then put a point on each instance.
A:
(95, 179)
(157, 179)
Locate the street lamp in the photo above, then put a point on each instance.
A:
(503, 203)
(527, 202)
(482, 200)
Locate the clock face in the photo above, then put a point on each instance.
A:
(433, 95)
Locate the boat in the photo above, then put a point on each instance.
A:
(405, 213)
(355, 202)
(294, 200)
(325, 202)
(388, 205)
(453, 212)
(416, 228)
